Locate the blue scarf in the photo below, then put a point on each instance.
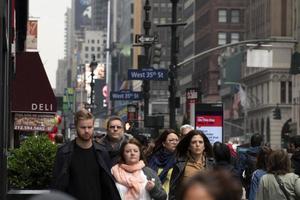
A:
(162, 159)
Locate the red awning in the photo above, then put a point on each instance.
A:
(31, 89)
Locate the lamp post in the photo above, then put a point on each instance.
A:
(93, 65)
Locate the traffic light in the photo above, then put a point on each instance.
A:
(156, 54)
(277, 113)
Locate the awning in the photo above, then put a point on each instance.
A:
(31, 89)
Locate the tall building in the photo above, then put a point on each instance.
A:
(209, 24)
(61, 74)
(94, 44)
(99, 14)
(270, 86)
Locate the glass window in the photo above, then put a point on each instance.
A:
(86, 48)
(222, 16)
(163, 20)
(86, 55)
(98, 55)
(235, 37)
(221, 38)
(92, 48)
(92, 41)
(98, 48)
(282, 92)
(235, 16)
(290, 91)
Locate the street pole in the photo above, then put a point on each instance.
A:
(93, 65)
(146, 83)
(172, 67)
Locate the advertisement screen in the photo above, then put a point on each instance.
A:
(209, 119)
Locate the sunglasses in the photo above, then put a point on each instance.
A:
(113, 127)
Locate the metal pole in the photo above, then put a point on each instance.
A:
(108, 58)
(172, 67)
(4, 92)
(146, 83)
(92, 66)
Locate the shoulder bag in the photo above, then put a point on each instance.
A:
(281, 185)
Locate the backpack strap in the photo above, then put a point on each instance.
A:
(281, 185)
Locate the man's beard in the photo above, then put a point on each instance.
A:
(84, 138)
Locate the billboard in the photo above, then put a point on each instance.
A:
(83, 14)
(209, 119)
(31, 36)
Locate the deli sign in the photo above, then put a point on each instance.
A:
(31, 89)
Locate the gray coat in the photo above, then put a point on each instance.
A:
(269, 189)
(157, 193)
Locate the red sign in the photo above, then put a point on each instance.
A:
(31, 89)
(209, 120)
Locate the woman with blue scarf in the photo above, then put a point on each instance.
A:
(163, 156)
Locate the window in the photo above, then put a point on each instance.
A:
(290, 91)
(92, 41)
(282, 92)
(98, 48)
(92, 48)
(221, 38)
(86, 55)
(86, 48)
(235, 37)
(222, 16)
(98, 55)
(162, 20)
(235, 16)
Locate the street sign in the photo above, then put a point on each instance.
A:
(126, 95)
(145, 39)
(148, 74)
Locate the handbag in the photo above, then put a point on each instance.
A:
(281, 185)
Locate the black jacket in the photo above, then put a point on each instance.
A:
(296, 162)
(177, 175)
(61, 171)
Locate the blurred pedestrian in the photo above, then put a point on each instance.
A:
(163, 157)
(261, 165)
(222, 158)
(53, 195)
(296, 155)
(185, 129)
(59, 139)
(114, 138)
(81, 168)
(212, 185)
(134, 180)
(194, 153)
(279, 182)
(247, 161)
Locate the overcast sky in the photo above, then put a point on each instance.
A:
(50, 14)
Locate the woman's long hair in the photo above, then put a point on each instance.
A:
(279, 163)
(162, 138)
(183, 146)
(262, 158)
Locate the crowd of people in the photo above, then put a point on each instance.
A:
(183, 166)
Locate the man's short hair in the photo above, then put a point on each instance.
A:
(256, 140)
(112, 118)
(186, 126)
(82, 115)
